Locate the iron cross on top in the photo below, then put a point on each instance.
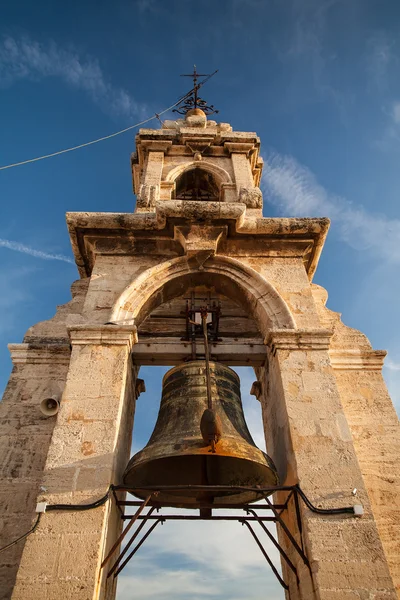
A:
(192, 100)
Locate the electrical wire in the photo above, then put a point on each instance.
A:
(25, 535)
(106, 137)
(79, 507)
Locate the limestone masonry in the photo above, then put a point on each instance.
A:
(329, 422)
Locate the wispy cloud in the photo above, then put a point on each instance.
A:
(294, 188)
(380, 56)
(32, 252)
(24, 58)
(391, 365)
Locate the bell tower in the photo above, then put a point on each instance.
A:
(197, 279)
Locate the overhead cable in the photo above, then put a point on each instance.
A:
(106, 137)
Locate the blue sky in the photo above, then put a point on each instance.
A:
(316, 79)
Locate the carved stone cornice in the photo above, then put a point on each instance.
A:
(58, 354)
(357, 360)
(156, 145)
(239, 147)
(115, 233)
(298, 339)
(103, 335)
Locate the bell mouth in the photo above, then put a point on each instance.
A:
(203, 469)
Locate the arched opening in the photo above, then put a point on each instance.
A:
(233, 278)
(175, 554)
(250, 307)
(196, 184)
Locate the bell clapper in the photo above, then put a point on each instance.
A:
(210, 424)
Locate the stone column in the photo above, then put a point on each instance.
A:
(310, 441)
(154, 167)
(242, 170)
(89, 450)
(376, 434)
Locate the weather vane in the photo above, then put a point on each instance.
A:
(191, 99)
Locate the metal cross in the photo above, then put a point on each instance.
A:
(195, 75)
(192, 100)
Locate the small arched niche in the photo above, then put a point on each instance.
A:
(197, 184)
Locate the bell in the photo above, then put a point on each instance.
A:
(194, 445)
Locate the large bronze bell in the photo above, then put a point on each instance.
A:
(180, 452)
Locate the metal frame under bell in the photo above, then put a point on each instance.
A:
(249, 518)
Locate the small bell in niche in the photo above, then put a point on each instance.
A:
(194, 445)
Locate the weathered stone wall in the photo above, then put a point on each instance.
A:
(89, 449)
(40, 369)
(373, 423)
(310, 441)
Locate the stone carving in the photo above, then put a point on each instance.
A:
(251, 197)
(148, 194)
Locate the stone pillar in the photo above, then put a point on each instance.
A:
(310, 441)
(154, 166)
(242, 171)
(89, 450)
(376, 434)
(25, 436)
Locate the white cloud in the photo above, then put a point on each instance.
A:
(25, 58)
(150, 581)
(380, 55)
(396, 112)
(391, 365)
(294, 189)
(32, 252)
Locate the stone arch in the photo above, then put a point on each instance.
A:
(220, 175)
(162, 282)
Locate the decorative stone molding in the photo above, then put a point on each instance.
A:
(103, 335)
(251, 197)
(239, 147)
(297, 339)
(357, 360)
(194, 210)
(148, 195)
(55, 354)
(256, 389)
(197, 239)
(156, 145)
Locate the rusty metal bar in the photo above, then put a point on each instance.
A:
(271, 564)
(144, 519)
(298, 517)
(276, 544)
(200, 518)
(216, 506)
(136, 548)
(118, 501)
(218, 488)
(288, 533)
(127, 528)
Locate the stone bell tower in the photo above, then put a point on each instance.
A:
(330, 426)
